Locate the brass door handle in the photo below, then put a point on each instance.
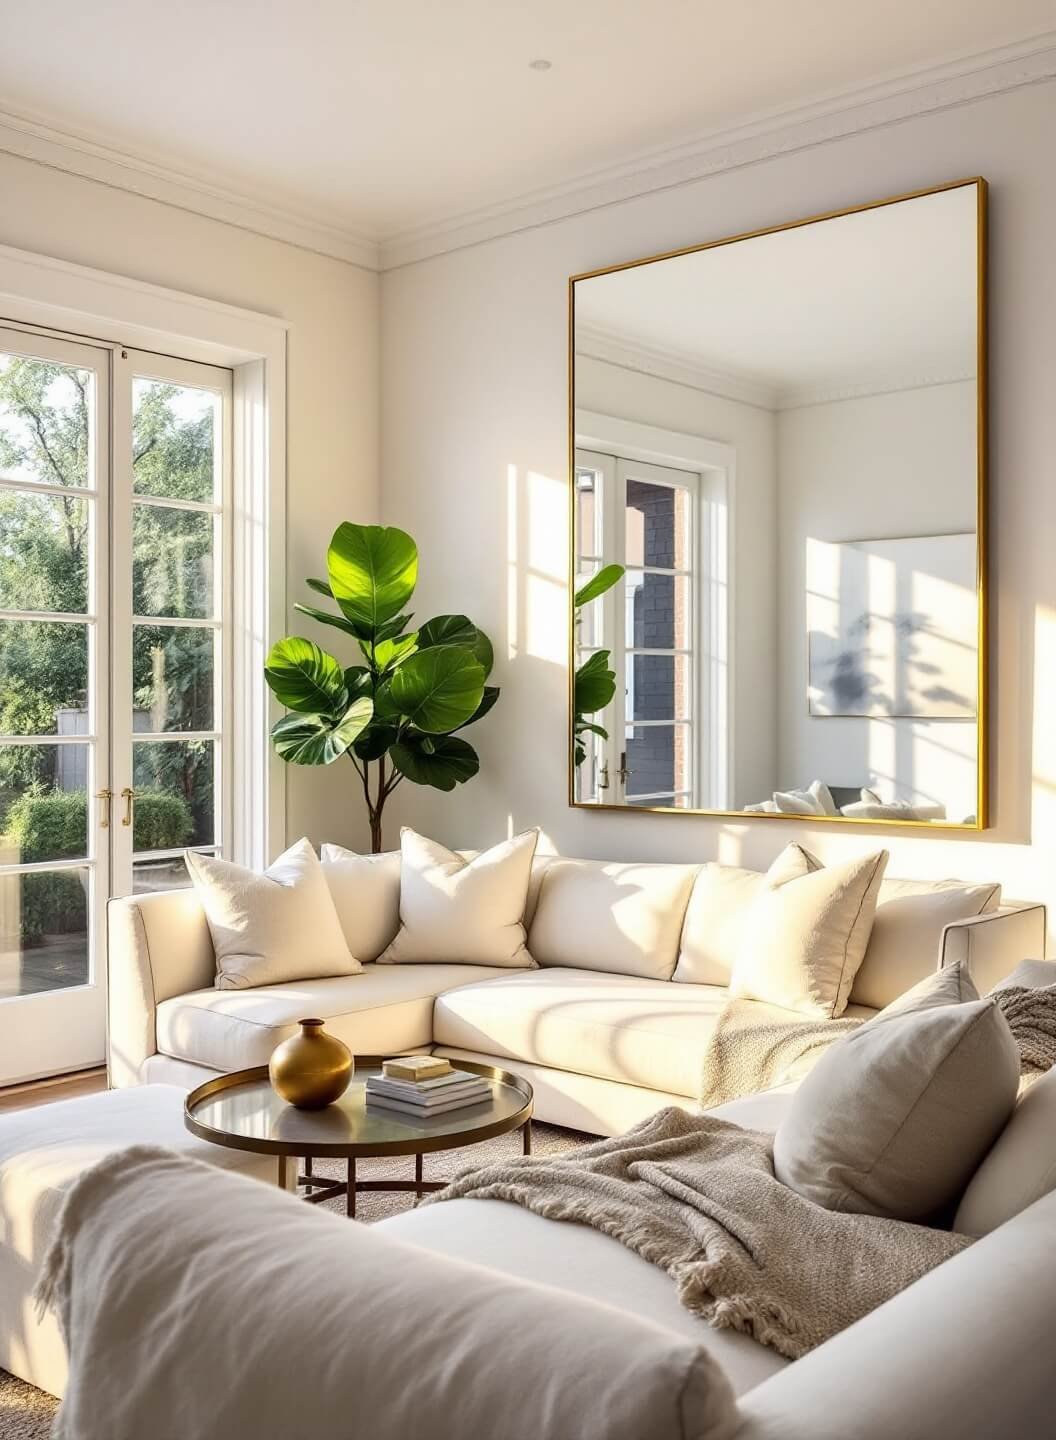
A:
(105, 796)
(129, 797)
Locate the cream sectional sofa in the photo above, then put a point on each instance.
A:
(633, 966)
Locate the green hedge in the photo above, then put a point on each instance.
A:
(53, 825)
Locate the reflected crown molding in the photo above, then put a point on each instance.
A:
(682, 367)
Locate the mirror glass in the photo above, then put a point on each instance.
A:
(776, 496)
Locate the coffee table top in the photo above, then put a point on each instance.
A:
(242, 1111)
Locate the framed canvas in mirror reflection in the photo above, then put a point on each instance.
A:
(779, 440)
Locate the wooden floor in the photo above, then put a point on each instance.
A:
(43, 1092)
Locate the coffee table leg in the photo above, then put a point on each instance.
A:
(282, 1172)
(418, 1176)
(308, 1170)
(526, 1133)
(350, 1197)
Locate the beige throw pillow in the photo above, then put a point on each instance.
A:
(274, 927)
(463, 912)
(805, 935)
(952, 985)
(895, 1118)
(366, 893)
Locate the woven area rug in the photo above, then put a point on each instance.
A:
(26, 1413)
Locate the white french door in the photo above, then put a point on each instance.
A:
(114, 579)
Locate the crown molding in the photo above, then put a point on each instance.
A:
(32, 138)
(680, 367)
(921, 91)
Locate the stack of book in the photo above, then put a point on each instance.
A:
(423, 1085)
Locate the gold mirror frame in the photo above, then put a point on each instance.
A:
(982, 818)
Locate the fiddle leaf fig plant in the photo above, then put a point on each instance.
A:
(395, 711)
(594, 684)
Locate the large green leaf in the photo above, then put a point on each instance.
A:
(321, 587)
(457, 630)
(438, 689)
(450, 761)
(357, 681)
(605, 579)
(595, 684)
(373, 570)
(304, 677)
(376, 740)
(491, 694)
(315, 740)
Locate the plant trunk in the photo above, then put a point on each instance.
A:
(375, 832)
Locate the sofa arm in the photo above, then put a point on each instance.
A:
(994, 943)
(965, 1352)
(159, 946)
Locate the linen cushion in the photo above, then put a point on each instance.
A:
(805, 935)
(1021, 1166)
(269, 928)
(624, 919)
(381, 1011)
(904, 946)
(403, 1341)
(366, 894)
(894, 1119)
(458, 911)
(952, 985)
(721, 897)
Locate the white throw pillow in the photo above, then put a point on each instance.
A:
(366, 892)
(911, 916)
(815, 800)
(274, 927)
(1021, 1166)
(462, 912)
(805, 935)
(894, 1118)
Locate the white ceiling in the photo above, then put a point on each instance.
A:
(883, 298)
(381, 117)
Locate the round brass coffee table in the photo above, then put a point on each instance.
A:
(242, 1112)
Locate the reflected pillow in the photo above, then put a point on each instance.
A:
(893, 810)
(805, 936)
(815, 800)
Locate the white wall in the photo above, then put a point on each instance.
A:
(874, 467)
(474, 422)
(632, 395)
(332, 403)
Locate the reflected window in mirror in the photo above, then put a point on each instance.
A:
(777, 445)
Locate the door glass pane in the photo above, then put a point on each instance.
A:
(658, 611)
(172, 562)
(658, 759)
(174, 430)
(588, 513)
(43, 803)
(43, 931)
(172, 678)
(658, 527)
(658, 687)
(163, 873)
(174, 784)
(43, 552)
(43, 678)
(45, 427)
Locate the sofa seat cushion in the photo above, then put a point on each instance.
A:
(580, 1261)
(616, 1027)
(382, 1011)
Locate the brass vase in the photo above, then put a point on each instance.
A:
(311, 1070)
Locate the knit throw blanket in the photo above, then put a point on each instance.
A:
(697, 1196)
(1031, 1016)
(756, 1047)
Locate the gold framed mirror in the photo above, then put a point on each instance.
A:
(778, 521)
